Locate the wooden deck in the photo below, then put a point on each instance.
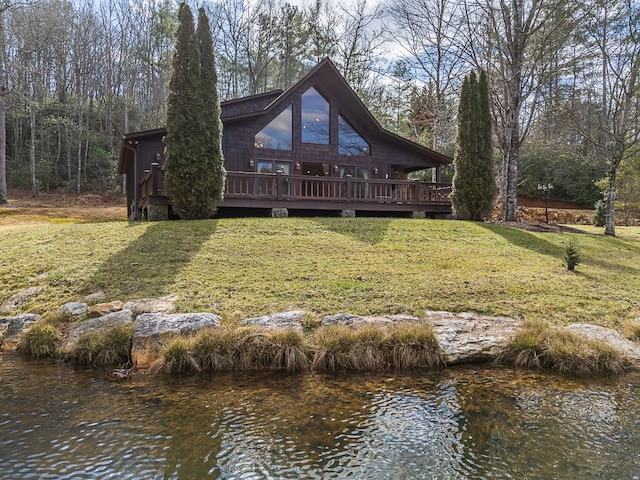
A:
(247, 190)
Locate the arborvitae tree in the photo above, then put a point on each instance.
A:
(474, 184)
(187, 171)
(211, 101)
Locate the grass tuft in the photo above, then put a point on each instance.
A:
(414, 345)
(332, 348)
(367, 351)
(288, 350)
(56, 318)
(540, 345)
(215, 348)
(631, 329)
(40, 340)
(112, 347)
(177, 358)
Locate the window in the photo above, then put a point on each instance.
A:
(277, 134)
(349, 141)
(315, 118)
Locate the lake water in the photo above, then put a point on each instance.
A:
(59, 422)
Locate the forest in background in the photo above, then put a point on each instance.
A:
(78, 75)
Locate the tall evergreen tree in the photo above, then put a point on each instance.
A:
(474, 184)
(188, 164)
(210, 99)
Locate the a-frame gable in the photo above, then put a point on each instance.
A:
(325, 77)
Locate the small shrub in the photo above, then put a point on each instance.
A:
(600, 213)
(177, 358)
(571, 256)
(40, 340)
(631, 330)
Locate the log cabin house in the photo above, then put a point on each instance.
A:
(314, 147)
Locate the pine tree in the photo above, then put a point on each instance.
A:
(191, 182)
(211, 101)
(474, 184)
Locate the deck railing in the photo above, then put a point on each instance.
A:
(301, 188)
(277, 186)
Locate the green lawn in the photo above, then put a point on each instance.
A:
(250, 267)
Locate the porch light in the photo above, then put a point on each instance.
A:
(297, 165)
(251, 164)
(375, 170)
(336, 168)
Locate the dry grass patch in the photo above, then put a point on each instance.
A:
(177, 357)
(40, 340)
(631, 330)
(108, 348)
(332, 346)
(413, 345)
(540, 345)
(289, 351)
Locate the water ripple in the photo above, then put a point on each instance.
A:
(456, 424)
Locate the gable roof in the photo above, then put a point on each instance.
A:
(351, 106)
(325, 74)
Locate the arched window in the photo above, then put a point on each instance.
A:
(315, 118)
(278, 134)
(349, 141)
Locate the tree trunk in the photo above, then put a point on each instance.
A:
(3, 118)
(3, 151)
(79, 173)
(610, 219)
(32, 151)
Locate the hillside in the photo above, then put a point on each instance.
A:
(245, 267)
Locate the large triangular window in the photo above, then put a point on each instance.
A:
(278, 134)
(349, 141)
(315, 118)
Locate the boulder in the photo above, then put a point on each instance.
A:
(471, 338)
(101, 309)
(96, 325)
(74, 308)
(612, 337)
(12, 327)
(282, 320)
(355, 321)
(152, 305)
(153, 330)
(95, 297)
(17, 299)
(345, 319)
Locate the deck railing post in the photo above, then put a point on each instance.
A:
(349, 188)
(279, 185)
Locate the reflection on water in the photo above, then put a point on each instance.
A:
(59, 422)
